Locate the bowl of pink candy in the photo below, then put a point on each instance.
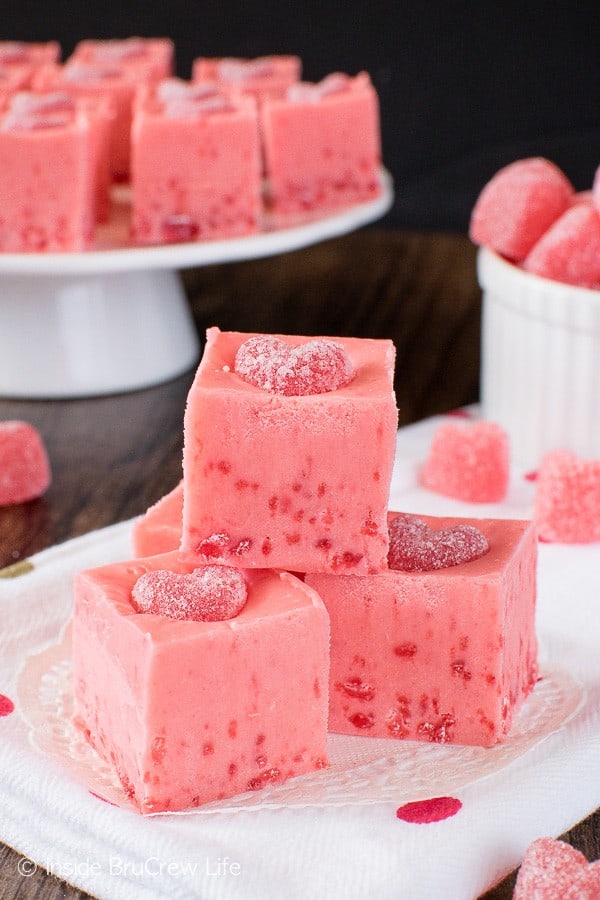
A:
(539, 270)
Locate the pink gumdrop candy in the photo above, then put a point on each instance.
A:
(313, 367)
(24, 465)
(415, 547)
(208, 594)
(469, 461)
(570, 250)
(518, 205)
(567, 499)
(551, 869)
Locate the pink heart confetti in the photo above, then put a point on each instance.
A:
(423, 812)
(415, 547)
(314, 367)
(209, 594)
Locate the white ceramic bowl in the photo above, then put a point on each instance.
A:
(540, 366)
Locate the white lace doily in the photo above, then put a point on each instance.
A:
(361, 771)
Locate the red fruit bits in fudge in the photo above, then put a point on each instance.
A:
(567, 500)
(415, 547)
(518, 205)
(209, 594)
(191, 712)
(311, 368)
(24, 466)
(468, 461)
(445, 656)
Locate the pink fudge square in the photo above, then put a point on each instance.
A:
(195, 165)
(322, 145)
(191, 712)
(43, 105)
(29, 53)
(155, 55)
(263, 76)
(469, 461)
(445, 656)
(158, 530)
(47, 207)
(112, 82)
(295, 482)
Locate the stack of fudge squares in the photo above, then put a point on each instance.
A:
(272, 597)
(242, 146)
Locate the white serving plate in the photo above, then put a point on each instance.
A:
(115, 318)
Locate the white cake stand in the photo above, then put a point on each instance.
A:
(116, 318)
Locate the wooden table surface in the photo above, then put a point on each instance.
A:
(114, 456)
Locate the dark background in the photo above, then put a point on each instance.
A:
(464, 87)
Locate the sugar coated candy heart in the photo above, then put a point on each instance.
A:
(415, 547)
(569, 251)
(552, 869)
(567, 499)
(518, 204)
(24, 466)
(469, 461)
(313, 367)
(208, 594)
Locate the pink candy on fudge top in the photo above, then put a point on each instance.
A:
(208, 594)
(28, 53)
(262, 76)
(156, 55)
(416, 547)
(175, 98)
(313, 367)
(30, 111)
(334, 84)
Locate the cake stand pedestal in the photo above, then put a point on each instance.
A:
(116, 318)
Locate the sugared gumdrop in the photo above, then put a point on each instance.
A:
(208, 594)
(469, 461)
(415, 547)
(569, 251)
(519, 203)
(567, 499)
(24, 465)
(552, 869)
(313, 367)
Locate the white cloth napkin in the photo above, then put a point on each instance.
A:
(309, 843)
